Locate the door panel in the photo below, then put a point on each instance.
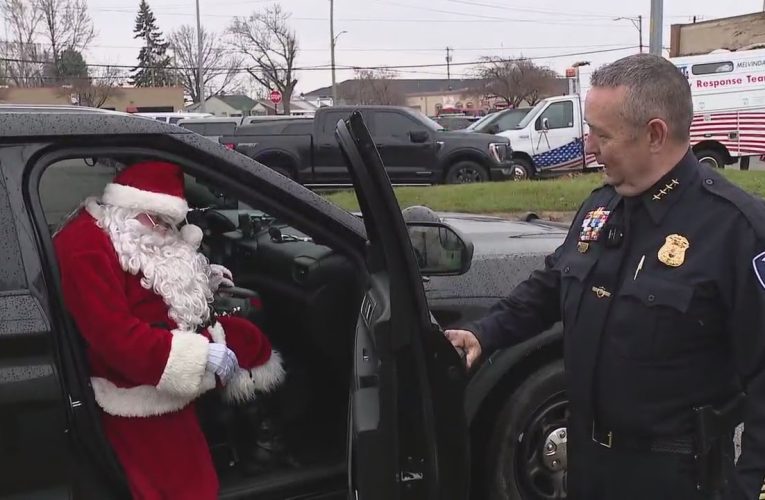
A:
(34, 449)
(408, 432)
(405, 161)
(560, 147)
(329, 167)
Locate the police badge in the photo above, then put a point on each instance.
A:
(672, 253)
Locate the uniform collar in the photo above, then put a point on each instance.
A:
(660, 197)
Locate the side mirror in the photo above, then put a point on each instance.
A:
(419, 136)
(545, 124)
(440, 249)
(494, 129)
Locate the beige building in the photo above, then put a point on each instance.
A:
(138, 99)
(433, 96)
(731, 33)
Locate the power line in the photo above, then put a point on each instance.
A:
(473, 18)
(326, 67)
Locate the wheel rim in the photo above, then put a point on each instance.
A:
(467, 175)
(519, 173)
(710, 161)
(542, 461)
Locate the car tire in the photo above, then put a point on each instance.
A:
(466, 172)
(711, 158)
(522, 169)
(533, 416)
(285, 171)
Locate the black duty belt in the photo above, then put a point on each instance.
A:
(683, 445)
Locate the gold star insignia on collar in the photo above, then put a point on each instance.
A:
(666, 190)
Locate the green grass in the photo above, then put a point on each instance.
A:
(561, 195)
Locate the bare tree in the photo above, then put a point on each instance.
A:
(515, 80)
(219, 67)
(66, 27)
(266, 40)
(24, 57)
(373, 87)
(95, 90)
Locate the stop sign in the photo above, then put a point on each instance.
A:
(276, 96)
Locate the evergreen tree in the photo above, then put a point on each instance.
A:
(153, 68)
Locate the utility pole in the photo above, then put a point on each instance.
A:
(640, 29)
(448, 67)
(200, 81)
(657, 26)
(332, 48)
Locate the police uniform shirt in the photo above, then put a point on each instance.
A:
(662, 298)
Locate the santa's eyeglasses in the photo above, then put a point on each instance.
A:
(153, 222)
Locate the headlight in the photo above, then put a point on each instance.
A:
(498, 151)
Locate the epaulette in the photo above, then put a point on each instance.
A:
(750, 206)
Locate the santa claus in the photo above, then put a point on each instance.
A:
(140, 292)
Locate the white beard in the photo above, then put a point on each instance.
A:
(171, 267)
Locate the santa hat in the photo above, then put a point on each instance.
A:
(155, 187)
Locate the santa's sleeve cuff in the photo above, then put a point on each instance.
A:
(245, 384)
(186, 364)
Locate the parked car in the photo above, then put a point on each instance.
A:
(380, 406)
(211, 128)
(456, 122)
(414, 149)
(499, 121)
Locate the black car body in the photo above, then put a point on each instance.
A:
(383, 408)
(414, 148)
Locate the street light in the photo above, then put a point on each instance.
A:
(334, 81)
(637, 22)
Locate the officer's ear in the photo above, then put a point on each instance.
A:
(658, 135)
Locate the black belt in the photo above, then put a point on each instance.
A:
(681, 444)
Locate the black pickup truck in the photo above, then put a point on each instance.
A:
(414, 148)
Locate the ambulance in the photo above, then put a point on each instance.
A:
(728, 90)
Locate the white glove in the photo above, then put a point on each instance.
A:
(222, 361)
(220, 276)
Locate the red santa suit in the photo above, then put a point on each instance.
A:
(140, 299)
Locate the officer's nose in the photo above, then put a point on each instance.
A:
(591, 146)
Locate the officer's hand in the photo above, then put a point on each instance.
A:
(467, 341)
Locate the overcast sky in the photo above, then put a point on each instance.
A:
(414, 32)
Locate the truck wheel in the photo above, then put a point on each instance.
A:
(465, 172)
(285, 171)
(526, 459)
(522, 169)
(711, 158)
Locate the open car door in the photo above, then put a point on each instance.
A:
(408, 436)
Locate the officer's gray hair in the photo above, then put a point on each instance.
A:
(655, 89)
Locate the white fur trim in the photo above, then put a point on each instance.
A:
(185, 365)
(158, 203)
(244, 385)
(144, 400)
(94, 209)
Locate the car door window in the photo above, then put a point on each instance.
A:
(559, 115)
(509, 121)
(330, 122)
(67, 183)
(394, 125)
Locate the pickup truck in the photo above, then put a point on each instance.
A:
(414, 148)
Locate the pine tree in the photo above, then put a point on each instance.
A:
(153, 68)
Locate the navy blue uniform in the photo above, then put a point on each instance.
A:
(662, 298)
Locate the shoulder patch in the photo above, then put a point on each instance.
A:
(759, 268)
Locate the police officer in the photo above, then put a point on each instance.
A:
(660, 284)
